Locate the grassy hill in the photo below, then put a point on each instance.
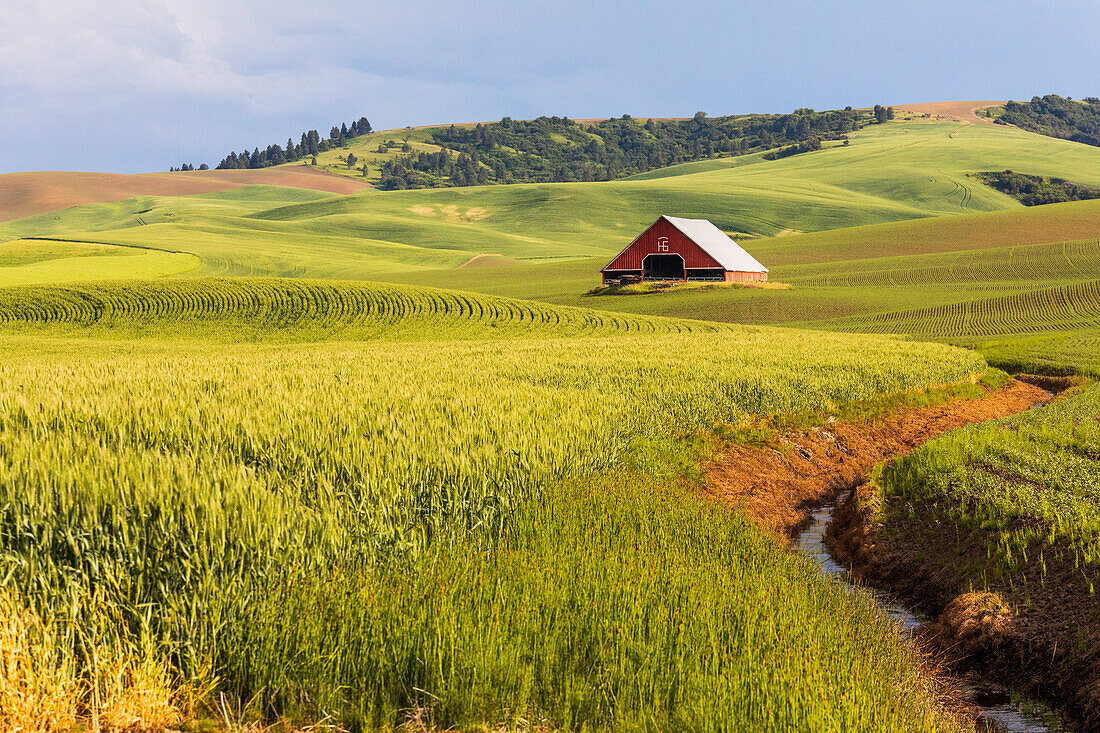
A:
(28, 194)
(893, 172)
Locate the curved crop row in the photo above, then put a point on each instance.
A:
(1035, 311)
(1059, 260)
(307, 304)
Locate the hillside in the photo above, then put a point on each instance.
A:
(1056, 116)
(300, 471)
(30, 194)
(902, 170)
(546, 149)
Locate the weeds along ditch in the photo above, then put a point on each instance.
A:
(481, 510)
(1028, 481)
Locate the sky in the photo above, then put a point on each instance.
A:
(140, 85)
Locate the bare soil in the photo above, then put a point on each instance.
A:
(963, 111)
(28, 194)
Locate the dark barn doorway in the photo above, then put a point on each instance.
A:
(663, 267)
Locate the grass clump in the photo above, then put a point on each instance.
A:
(1027, 480)
(677, 286)
(38, 686)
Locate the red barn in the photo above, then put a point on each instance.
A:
(684, 249)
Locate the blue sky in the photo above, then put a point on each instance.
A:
(137, 85)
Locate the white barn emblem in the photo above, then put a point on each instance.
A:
(662, 244)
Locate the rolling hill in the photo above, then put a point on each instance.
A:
(30, 194)
(907, 169)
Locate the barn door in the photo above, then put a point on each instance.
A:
(663, 267)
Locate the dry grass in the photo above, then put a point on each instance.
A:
(37, 693)
(134, 691)
(127, 688)
(678, 286)
(420, 721)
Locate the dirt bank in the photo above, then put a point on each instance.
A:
(778, 485)
(1035, 629)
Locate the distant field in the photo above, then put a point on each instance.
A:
(28, 194)
(960, 110)
(890, 173)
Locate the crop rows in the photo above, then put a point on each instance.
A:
(1079, 259)
(1032, 478)
(1075, 306)
(282, 303)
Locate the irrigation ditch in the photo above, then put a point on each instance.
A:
(797, 484)
(996, 706)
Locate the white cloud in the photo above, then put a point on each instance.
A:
(133, 84)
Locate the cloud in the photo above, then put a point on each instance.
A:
(132, 85)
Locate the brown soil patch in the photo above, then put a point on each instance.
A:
(291, 176)
(778, 486)
(961, 111)
(28, 194)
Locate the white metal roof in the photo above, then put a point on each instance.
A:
(717, 244)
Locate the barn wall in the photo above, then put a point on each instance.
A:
(746, 277)
(647, 243)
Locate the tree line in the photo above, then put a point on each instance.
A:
(557, 149)
(310, 144)
(1056, 116)
(1033, 190)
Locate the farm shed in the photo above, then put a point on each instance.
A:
(684, 249)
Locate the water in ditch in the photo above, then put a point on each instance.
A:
(996, 705)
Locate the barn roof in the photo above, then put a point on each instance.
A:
(717, 244)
